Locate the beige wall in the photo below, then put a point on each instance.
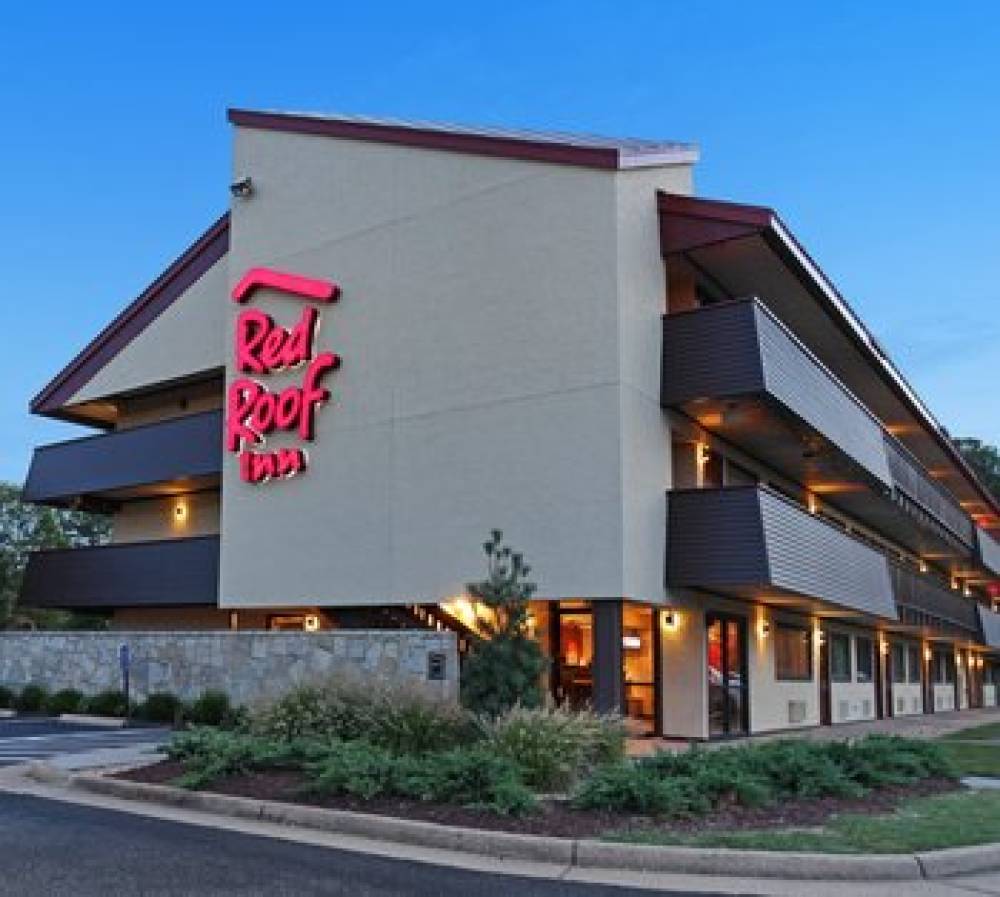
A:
(989, 695)
(684, 663)
(185, 339)
(483, 385)
(157, 518)
(944, 697)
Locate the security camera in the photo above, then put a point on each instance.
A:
(241, 188)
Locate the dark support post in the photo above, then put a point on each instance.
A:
(609, 686)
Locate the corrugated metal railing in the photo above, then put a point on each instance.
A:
(921, 593)
(910, 479)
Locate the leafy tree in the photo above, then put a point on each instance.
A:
(25, 528)
(504, 668)
(984, 460)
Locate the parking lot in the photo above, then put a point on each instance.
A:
(25, 739)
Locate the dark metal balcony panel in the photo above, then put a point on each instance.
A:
(909, 478)
(752, 542)
(182, 449)
(165, 573)
(738, 349)
(989, 623)
(920, 592)
(989, 551)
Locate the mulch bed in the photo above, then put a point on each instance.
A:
(556, 817)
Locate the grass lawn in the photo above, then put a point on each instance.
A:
(927, 823)
(985, 732)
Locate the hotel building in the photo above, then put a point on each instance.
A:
(740, 516)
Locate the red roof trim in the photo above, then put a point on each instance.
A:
(156, 298)
(428, 138)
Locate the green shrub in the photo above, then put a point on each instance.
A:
(880, 760)
(554, 747)
(106, 703)
(31, 699)
(474, 776)
(630, 787)
(398, 719)
(7, 698)
(211, 708)
(68, 700)
(160, 707)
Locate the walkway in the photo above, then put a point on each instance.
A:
(918, 726)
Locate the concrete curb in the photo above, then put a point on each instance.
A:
(87, 719)
(582, 853)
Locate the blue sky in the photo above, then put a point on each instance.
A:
(872, 127)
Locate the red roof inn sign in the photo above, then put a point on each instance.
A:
(264, 347)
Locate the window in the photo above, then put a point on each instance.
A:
(840, 658)
(792, 653)
(913, 655)
(943, 671)
(898, 663)
(863, 658)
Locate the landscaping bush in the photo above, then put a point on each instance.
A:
(106, 703)
(7, 698)
(68, 700)
(398, 719)
(31, 699)
(695, 781)
(211, 708)
(160, 707)
(554, 747)
(473, 776)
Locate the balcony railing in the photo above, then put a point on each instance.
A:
(988, 551)
(924, 601)
(989, 622)
(742, 374)
(166, 573)
(739, 350)
(752, 542)
(182, 449)
(909, 479)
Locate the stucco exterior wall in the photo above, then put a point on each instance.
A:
(907, 698)
(481, 383)
(157, 518)
(185, 339)
(248, 666)
(944, 697)
(771, 698)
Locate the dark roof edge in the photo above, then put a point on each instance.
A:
(525, 146)
(767, 222)
(156, 298)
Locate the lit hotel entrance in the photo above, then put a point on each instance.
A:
(605, 655)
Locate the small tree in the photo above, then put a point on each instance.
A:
(504, 668)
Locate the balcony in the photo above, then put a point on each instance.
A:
(989, 623)
(924, 602)
(750, 542)
(164, 458)
(988, 551)
(742, 375)
(167, 573)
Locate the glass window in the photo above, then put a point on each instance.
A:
(898, 663)
(638, 633)
(864, 652)
(792, 653)
(913, 655)
(944, 672)
(840, 658)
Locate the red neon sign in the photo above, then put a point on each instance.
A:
(263, 347)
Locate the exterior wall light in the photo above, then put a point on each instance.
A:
(242, 189)
(979, 662)
(928, 654)
(671, 620)
(311, 623)
(180, 513)
(764, 629)
(812, 503)
(883, 646)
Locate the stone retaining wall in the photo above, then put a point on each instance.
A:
(249, 666)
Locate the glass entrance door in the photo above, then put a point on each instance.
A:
(727, 676)
(574, 656)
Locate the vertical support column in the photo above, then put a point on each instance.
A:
(609, 685)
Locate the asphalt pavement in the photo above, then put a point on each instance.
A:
(53, 849)
(31, 738)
